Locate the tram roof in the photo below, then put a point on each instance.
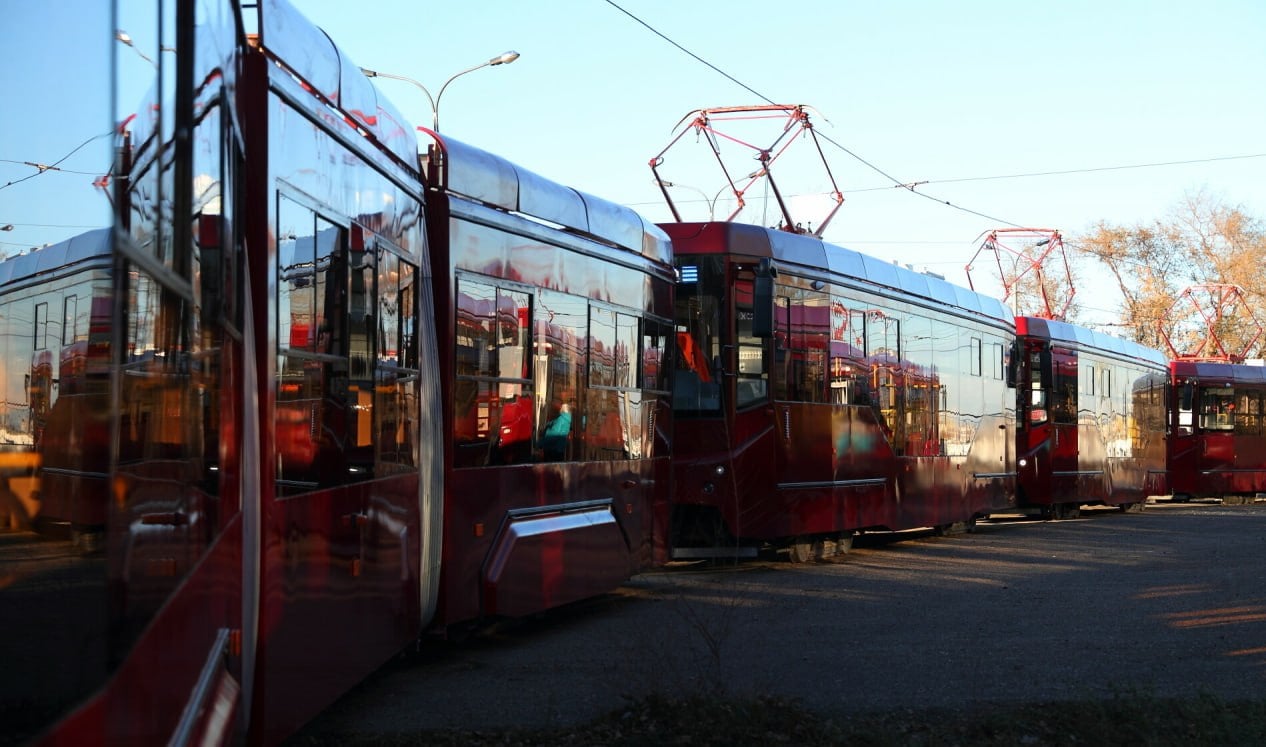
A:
(312, 55)
(1072, 333)
(488, 178)
(812, 255)
(76, 249)
(1214, 371)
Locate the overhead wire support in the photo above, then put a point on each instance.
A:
(703, 122)
(770, 102)
(1040, 244)
(1226, 318)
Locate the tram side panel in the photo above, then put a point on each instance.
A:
(349, 498)
(1092, 423)
(860, 407)
(1217, 446)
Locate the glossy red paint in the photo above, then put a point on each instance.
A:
(855, 412)
(555, 403)
(1091, 418)
(1217, 444)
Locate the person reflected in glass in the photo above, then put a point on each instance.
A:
(557, 433)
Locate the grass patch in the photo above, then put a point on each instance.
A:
(1124, 719)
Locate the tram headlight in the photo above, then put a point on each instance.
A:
(1024, 462)
(719, 470)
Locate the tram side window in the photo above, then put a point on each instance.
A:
(1037, 380)
(1248, 412)
(325, 338)
(656, 385)
(559, 372)
(70, 316)
(850, 380)
(1064, 390)
(396, 376)
(494, 407)
(655, 370)
(922, 388)
(359, 400)
(800, 322)
(883, 351)
(1217, 408)
(41, 326)
(1185, 402)
(613, 401)
(976, 356)
(752, 382)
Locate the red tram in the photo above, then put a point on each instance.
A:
(54, 419)
(1217, 443)
(558, 414)
(1092, 411)
(820, 392)
(332, 396)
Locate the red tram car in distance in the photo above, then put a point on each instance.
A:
(554, 309)
(1092, 419)
(820, 392)
(1217, 442)
(54, 375)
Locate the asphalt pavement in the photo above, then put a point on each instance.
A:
(1167, 602)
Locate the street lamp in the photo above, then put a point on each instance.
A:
(6, 227)
(126, 38)
(501, 59)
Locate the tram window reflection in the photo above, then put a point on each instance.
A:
(1217, 408)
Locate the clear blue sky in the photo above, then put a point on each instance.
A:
(925, 91)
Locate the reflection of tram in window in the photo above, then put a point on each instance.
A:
(827, 393)
(54, 333)
(1217, 441)
(1092, 418)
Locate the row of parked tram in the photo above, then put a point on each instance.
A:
(316, 395)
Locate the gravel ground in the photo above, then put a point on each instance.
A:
(1169, 602)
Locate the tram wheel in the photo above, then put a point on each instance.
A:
(843, 543)
(1060, 511)
(800, 551)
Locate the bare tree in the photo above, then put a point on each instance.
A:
(1202, 241)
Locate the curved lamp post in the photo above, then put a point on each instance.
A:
(126, 39)
(501, 59)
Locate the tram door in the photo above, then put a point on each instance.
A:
(1065, 447)
(1215, 422)
(1182, 457)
